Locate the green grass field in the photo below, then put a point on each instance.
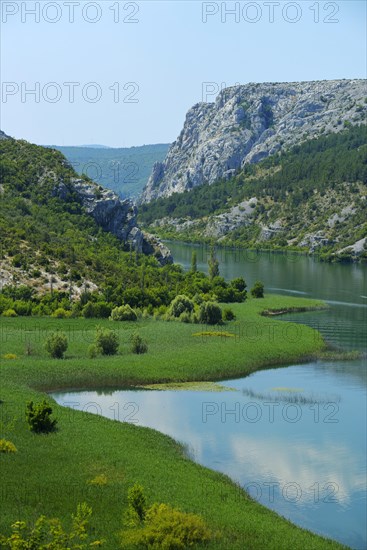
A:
(50, 474)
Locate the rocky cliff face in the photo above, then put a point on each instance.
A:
(116, 216)
(248, 123)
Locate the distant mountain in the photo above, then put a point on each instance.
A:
(248, 123)
(125, 171)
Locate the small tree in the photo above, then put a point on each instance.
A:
(56, 345)
(180, 304)
(194, 262)
(239, 284)
(138, 345)
(210, 313)
(137, 503)
(257, 290)
(39, 417)
(213, 265)
(106, 341)
(123, 313)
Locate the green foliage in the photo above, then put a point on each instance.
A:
(257, 290)
(239, 284)
(228, 314)
(9, 313)
(194, 262)
(210, 313)
(138, 345)
(39, 417)
(179, 305)
(56, 344)
(213, 265)
(137, 504)
(123, 313)
(293, 185)
(92, 351)
(167, 528)
(106, 341)
(47, 534)
(7, 446)
(60, 313)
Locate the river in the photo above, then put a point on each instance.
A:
(293, 437)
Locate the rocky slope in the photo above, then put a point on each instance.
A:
(113, 214)
(248, 123)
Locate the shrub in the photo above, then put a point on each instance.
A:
(168, 528)
(228, 314)
(137, 504)
(49, 533)
(185, 317)
(88, 311)
(92, 352)
(56, 345)
(60, 313)
(210, 313)
(257, 290)
(9, 313)
(180, 304)
(7, 446)
(123, 313)
(138, 345)
(106, 341)
(39, 417)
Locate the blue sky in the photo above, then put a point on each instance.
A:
(137, 67)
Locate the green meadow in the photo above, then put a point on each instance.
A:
(51, 474)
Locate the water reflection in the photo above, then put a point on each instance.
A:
(303, 458)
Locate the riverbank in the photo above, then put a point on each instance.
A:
(59, 466)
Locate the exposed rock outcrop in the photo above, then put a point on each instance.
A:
(115, 216)
(248, 123)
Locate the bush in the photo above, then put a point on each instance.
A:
(228, 314)
(9, 313)
(185, 317)
(60, 313)
(49, 533)
(56, 345)
(92, 352)
(210, 313)
(106, 341)
(180, 304)
(168, 528)
(257, 290)
(138, 345)
(137, 504)
(7, 446)
(39, 417)
(10, 356)
(123, 313)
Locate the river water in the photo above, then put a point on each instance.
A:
(293, 437)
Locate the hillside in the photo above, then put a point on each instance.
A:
(310, 198)
(248, 123)
(62, 233)
(124, 170)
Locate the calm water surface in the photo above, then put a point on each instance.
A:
(294, 437)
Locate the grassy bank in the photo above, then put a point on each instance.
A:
(51, 474)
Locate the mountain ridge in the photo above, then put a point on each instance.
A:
(247, 123)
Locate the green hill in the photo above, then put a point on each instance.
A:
(310, 198)
(124, 170)
(54, 253)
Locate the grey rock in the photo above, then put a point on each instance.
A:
(248, 123)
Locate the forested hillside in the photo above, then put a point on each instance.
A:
(312, 196)
(54, 254)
